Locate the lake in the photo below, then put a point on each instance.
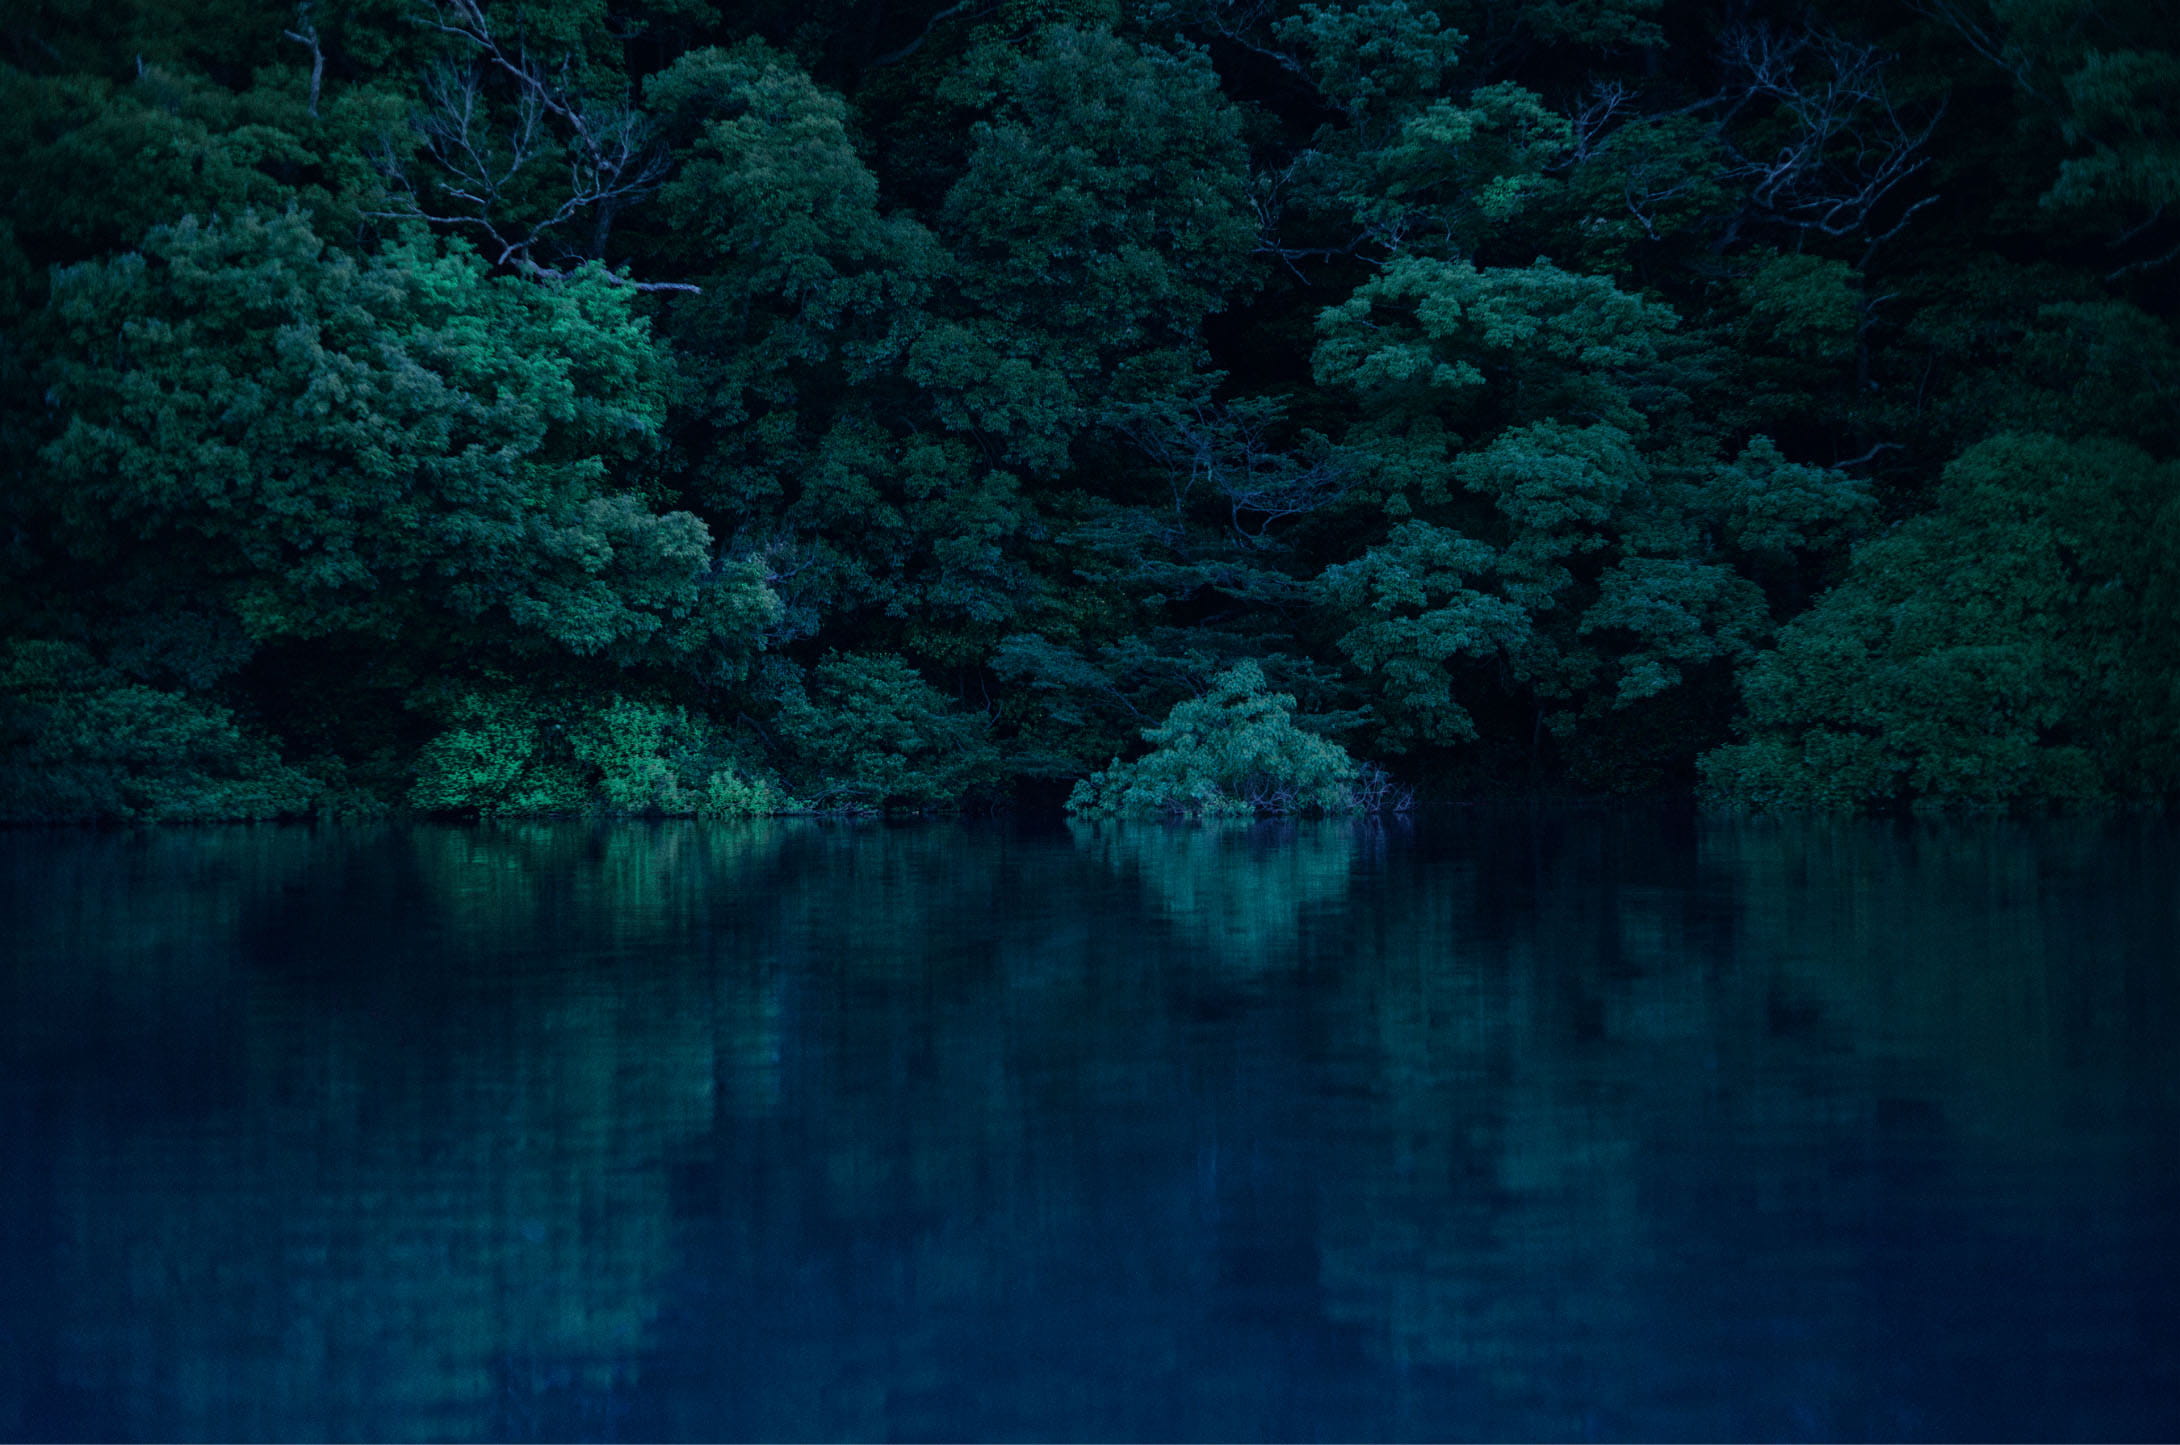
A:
(1500, 1124)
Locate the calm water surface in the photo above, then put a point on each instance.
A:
(1542, 1124)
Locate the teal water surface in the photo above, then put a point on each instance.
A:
(1501, 1125)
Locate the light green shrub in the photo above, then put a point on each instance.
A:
(507, 753)
(727, 794)
(1234, 752)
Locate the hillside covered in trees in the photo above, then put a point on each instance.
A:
(509, 406)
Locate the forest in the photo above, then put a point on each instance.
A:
(1146, 407)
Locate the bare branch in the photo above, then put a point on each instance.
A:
(1843, 145)
(1266, 198)
(1227, 452)
(306, 33)
(490, 168)
(2149, 264)
(1871, 455)
(1607, 102)
(895, 57)
(1237, 21)
(1983, 38)
(466, 20)
(612, 277)
(2138, 230)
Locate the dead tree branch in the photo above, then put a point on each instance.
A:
(1840, 145)
(1228, 453)
(490, 160)
(306, 33)
(1982, 35)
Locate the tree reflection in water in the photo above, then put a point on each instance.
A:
(1511, 1124)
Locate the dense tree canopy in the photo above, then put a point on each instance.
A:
(503, 406)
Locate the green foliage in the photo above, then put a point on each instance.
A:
(1236, 751)
(1086, 264)
(812, 299)
(2068, 367)
(503, 751)
(1450, 338)
(2008, 651)
(1769, 509)
(1605, 23)
(1493, 154)
(1382, 56)
(500, 754)
(728, 794)
(1497, 378)
(867, 731)
(1614, 557)
(1669, 616)
(1810, 306)
(1418, 611)
(82, 743)
(2120, 105)
(1074, 703)
(94, 163)
(777, 213)
(380, 446)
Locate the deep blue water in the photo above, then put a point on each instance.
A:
(1506, 1125)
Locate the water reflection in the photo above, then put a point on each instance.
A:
(1508, 1125)
(1238, 890)
(426, 1171)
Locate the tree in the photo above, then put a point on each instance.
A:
(2007, 651)
(1234, 751)
(379, 468)
(82, 743)
(865, 731)
(1577, 548)
(810, 446)
(396, 445)
(1102, 215)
